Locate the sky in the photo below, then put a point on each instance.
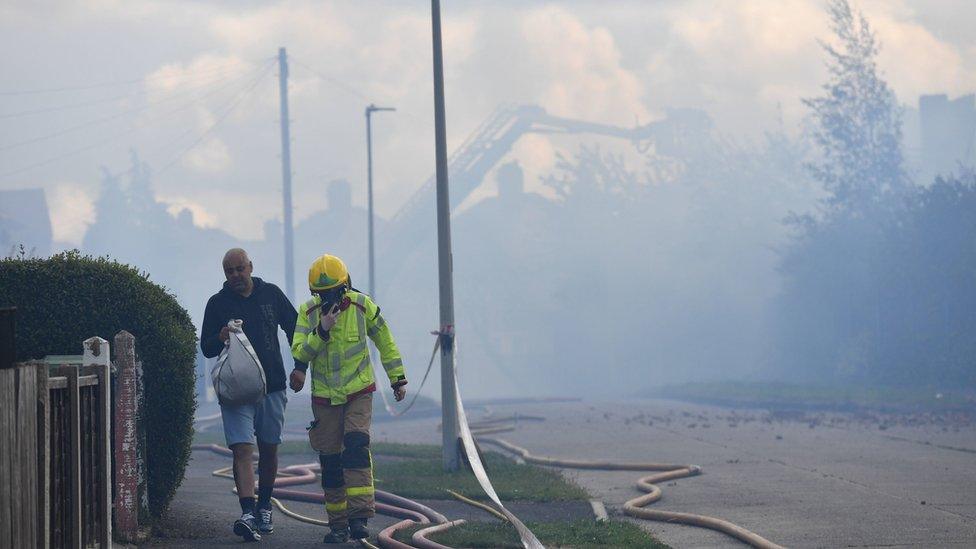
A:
(192, 87)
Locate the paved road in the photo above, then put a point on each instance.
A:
(204, 509)
(821, 480)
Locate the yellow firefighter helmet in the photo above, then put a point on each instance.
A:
(326, 272)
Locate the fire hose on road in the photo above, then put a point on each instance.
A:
(386, 503)
(415, 513)
(635, 506)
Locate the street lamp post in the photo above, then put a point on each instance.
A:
(369, 190)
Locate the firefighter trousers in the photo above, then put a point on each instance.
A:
(340, 434)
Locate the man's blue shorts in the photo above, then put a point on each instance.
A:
(264, 419)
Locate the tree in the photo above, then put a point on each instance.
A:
(856, 122)
(929, 295)
(831, 318)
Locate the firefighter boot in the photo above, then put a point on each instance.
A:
(337, 534)
(357, 528)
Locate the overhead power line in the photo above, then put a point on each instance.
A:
(117, 136)
(351, 90)
(211, 79)
(122, 114)
(220, 119)
(89, 86)
(334, 81)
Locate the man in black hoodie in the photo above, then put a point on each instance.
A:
(263, 308)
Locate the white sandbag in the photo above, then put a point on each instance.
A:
(238, 377)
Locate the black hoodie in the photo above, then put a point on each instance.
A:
(263, 312)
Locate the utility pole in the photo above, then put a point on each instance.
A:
(286, 175)
(445, 259)
(369, 191)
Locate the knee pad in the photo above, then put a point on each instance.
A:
(331, 470)
(355, 455)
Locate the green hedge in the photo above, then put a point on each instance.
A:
(68, 298)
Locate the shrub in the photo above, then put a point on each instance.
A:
(69, 297)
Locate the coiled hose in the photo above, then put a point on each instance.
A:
(415, 513)
(387, 503)
(635, 506)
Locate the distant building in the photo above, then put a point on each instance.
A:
(340, 229)
(948, 130)
(24, 220)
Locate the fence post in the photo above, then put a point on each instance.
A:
(8, 439)
(97, 353)
(18, 456)
(126, 439)
(8, 341)
(43, 457)
(74, 425)
(27, 410)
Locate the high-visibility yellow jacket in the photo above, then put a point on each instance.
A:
(340, 363)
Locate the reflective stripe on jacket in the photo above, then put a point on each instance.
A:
(340, 365)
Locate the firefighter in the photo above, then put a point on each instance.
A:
(330, 336)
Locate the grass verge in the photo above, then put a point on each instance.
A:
(286, 448)
(415, 471)
(425, 478)
(579, 534)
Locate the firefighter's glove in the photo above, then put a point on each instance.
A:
(327, 320)
(399, 391)
(296, 380)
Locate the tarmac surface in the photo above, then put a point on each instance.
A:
(797, 479)
(204, 510)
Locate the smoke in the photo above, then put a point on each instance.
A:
(72, 211)
(606, 267)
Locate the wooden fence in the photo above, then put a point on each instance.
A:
(78, 427)
(57, 457)
(19, 464)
